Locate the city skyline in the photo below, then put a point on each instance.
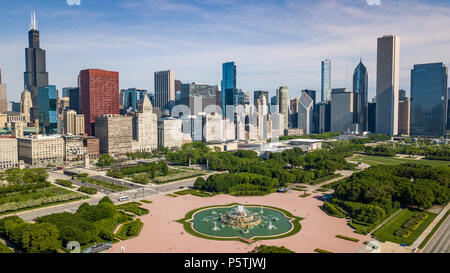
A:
(297, 57)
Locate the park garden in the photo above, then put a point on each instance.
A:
(29, 188)
(89, 225)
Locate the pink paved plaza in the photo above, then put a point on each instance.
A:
(161, 234)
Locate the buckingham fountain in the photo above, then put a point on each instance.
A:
(239, 221)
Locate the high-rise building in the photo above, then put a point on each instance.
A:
(228, 81)
(198, 96)
(283, 104)
(311, 93)
(131, 97)
(99, 95)
(165, 90)
(115, 133)
(326, 80)
(145, 127)
(404, 110)
(3, 95)
(305, 113)
(258, 94)
(73, 123)
(371, 117)
(169, 132)
(388, 58)
(35, 74)
(360, 96)
(48, 119)
(26, 104)
(429, 100)
(341, 110)
(73, 93)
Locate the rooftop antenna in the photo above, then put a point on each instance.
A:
(33, 22)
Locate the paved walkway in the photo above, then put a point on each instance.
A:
(430, 227)
(385, 221)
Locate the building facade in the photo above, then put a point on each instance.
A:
(360, 96)
(429, 100)
(170, 133)
(228, 81)
(48, 119)
(198, 96)
(283, 104)
(92, 146)
(341, 110)
(73, 148)
(41, 151)
(404, 109)
(8, 155)
(73, 123)
(325, 94)
(115, 134)
(130, 98)
(99, 95)
(164, 89)
(3, 95)
(26, 104)
(388, 59)
(145, 127)
(305, 113)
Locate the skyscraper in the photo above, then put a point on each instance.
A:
(228, 81)
(429, 100)
(283, 104)
(311, 93)
(74, 98)
(326, 80)
(388, 58)
(35, 74)
(360, 96)
(194, 94)
(259, 94)
(130, 98)
(99, 95)
(3, 95)
(165, 89)
(341, 110)
(47, 97)
(305, 113)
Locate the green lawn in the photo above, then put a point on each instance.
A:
(386, 232)
(376, 160)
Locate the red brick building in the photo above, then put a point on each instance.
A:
(92, 145)
(99, 95)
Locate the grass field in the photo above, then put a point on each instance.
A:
(386, 232)
(376, 160)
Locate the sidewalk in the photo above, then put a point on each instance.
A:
(427, 231)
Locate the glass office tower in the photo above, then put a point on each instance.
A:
(429, 100)
(326, 80)
(47, 97)
(360, 98)
(228, 81)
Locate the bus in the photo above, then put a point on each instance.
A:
(123, 198)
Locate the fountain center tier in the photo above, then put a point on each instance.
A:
(240, 218)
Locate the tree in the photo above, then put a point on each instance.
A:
(165, 169)
(40, 238)
(105, 160)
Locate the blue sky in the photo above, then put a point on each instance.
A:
(273, 43)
